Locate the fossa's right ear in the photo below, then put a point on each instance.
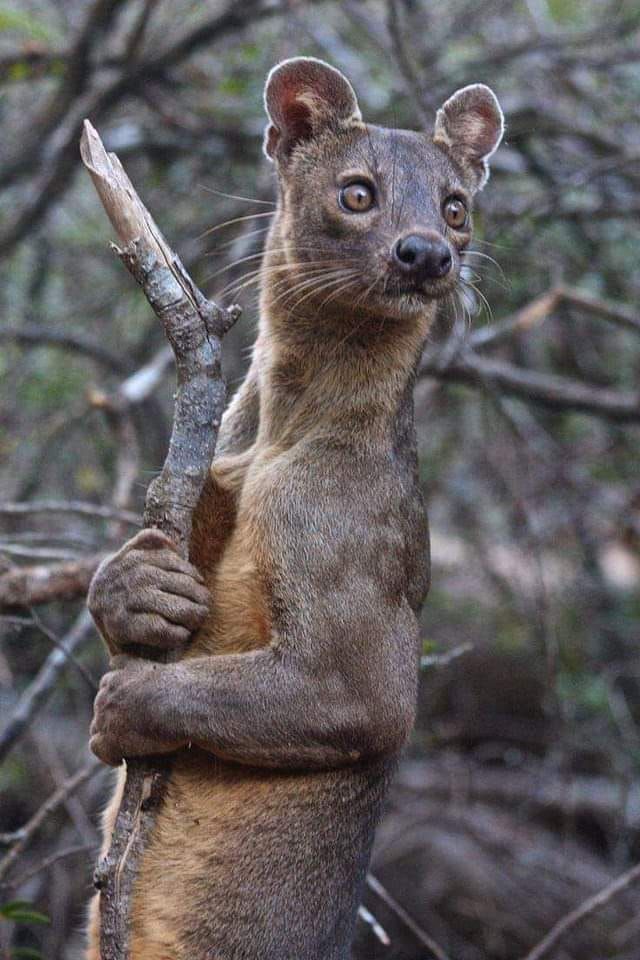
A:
(302, 97)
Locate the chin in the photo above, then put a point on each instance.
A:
(391, 303)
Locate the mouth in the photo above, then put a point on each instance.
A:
(423, 291)
(390, 294)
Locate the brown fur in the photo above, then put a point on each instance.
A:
(298, 690)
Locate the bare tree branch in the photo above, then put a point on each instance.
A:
(77, 76)
(618, 313)
(421, 935)
(30, 62)
(540, 308)
(444, 659)
(69, 506)
(43, 685)
(586, 908)
(46, 863)
(24, 835)
(415, 88)
(139, 386)
(527, 317)
(63, 646)
(378, 931)
(194, 327)
(57, 173)
(546, 389)
(31, 586)
(36, 553)
(38, 336)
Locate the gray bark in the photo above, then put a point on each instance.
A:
(194, 327)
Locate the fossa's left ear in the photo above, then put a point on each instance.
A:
(469, 126)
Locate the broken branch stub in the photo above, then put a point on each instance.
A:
(194, 327)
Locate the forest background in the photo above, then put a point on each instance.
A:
(519, 797)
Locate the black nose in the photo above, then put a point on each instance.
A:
(423, 256)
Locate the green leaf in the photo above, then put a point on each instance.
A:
(25, 953)
(21, 911)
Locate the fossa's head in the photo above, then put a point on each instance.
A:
(372, 218)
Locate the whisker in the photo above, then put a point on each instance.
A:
(323, 273)
(235, 196)
(479, 253)
(238, 239)
(365, 293)
(470, 274)
(318, 284)
(468, 302)
(268, 272)
(235, 263)
(488, 243)
(284, 290)
(393, 178)
(351, 333)
(228, 223)
(296, 264)
(332, 283)
(336, 293)
(482, 297)
(485, 256)
(235, 289)
(246, 280)
(449, 305)
(467, 319)
(251, 256)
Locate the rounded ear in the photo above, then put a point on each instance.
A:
(302, 96)
(469, 126)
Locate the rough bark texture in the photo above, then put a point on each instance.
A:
(194, 327)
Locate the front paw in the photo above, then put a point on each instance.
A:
(148, 595)
(128, 715)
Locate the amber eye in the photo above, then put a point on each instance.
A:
(456, 213)
(356, 197)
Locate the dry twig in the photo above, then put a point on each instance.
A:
(585, 909)
(543, 306)
(78, 507)
(421, 935)
(46, 863)
(42, 686)
(444, 659)
(30, 586)
(545, 389)
(24, 835)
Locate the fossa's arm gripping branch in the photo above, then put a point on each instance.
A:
(335, 683)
